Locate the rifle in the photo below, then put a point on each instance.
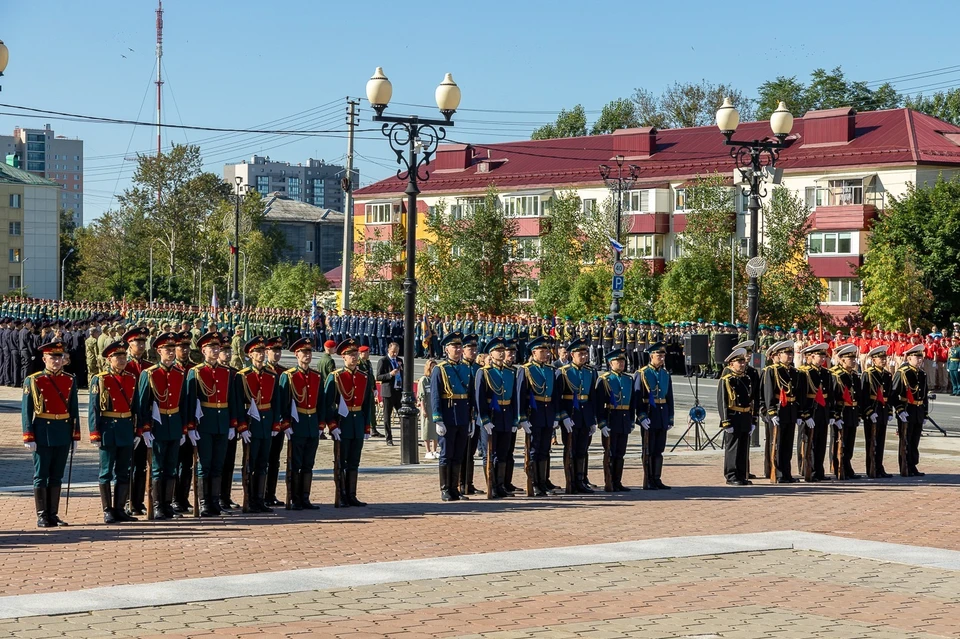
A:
(150, 504)
(569, 473)
(245, 478)
(645, 456)
(607, 478)
(196, 483)
(66, 506)
(288, 475)
(337, 475)
(489, 467)
(528, 464)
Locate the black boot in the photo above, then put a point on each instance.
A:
(156, 493)
(306, 481)
(169, 486)
(138, 492)
(40, 500)
(215, 497)
(259, 493)
(181, 503)
(344, 490)
(547, 484)
(470, 488)
(53, 504)
(500, 482)
(659, 469)
(618, 477)
(270, 490)
(539, 477)
(224, 502)
(207, 505)
(106, 502)
(581, 473)
(508, 478)
(120, 493)
(455, 470)
(445, 483)
(352, 489)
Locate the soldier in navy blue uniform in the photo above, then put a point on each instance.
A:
(453, 402)
(538, 411)
(616, 406)
(381, 330)
(577, 382)
(478, 439)
(496, 383)
(654, 413)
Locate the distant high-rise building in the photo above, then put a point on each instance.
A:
(29, 233)
(316, 183)
(55, 157)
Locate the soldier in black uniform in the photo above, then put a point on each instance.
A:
(846, 414)
(780, 381)
(736, 398)
(909, 391)
(631, 342)
(608, 331)
(813, 395)
(875, 406)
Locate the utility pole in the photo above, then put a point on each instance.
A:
(347, 185)
(159, 79)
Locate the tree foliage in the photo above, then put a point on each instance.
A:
(616, 114)
(292, 285)
(693, 287)
(687, 104)
(569, 124)
(825, 90)
(944, 105)
(561, 252)
(377, 273)
(894, 294)
(69, 241)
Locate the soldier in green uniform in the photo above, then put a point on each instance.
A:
(111, 411)
(92, 354)
(161, 398)
(258, 422)
(50, 418)
(347, 413)
(325, 363)
(299, 396)
(953, 367)
(181, 502)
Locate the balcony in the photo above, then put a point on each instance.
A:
(649, 223)
(835, 266)
(845, 217)
(846, 204)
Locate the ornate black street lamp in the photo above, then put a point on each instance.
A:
(621, 183)
(414, 140)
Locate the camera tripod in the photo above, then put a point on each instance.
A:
(697, 414)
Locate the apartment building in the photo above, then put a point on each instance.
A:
(846, 166)
(51, 156)
(29, 233)
(313, 235)
(316, 182)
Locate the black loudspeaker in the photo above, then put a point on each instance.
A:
(722, 345)
(696, 349)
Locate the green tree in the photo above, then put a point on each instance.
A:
(887, 274)
(569, 124)
(641, 287)
(292, 285)
(688, 104)
(826, 90)
(590, 294)
(69, 242)
(377, 275)
(789, 289)
(943, 105)
(789, 90)
(561, 252)
(616, 114)
(693, 287)
(711, 218)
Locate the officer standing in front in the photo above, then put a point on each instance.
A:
(735, 401)
(479, 437)
(299, 395)
(616, 410)
(453, 404)
(538, 412)
(50, 418)
(258, 421)
(654, 390)
(780, 381)
(577, 415)
(816, 404)
(846, 414)
(910, 401)
(496, 383)
(111, 411)
(876, 397)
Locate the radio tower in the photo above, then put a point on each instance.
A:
(159, 79)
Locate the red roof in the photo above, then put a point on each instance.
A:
(893, 137)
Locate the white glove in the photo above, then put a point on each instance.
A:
(489, 428)
(810, 422)
(335, 434)
(194, 436)
(513, 430)
(753, 427)
(776, 420)
(31, 445)
(274, 433)
(605, 431)
(246, 436)
(645, 423)
(903, 416)
(831, 422)
(728, 430)
(889, 418)
(799, 422)
(441, 429)
(288, 432)
(556, 425)
(366, 436)
(593, 429)
(148, 439)
(231, 433)
(470, 429)
(527, 427)
(839, 424)
(183, 438)
(873, 418)
(136, 442)
(568, 424)
(76, 443)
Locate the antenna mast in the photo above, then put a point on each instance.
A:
(159, 80)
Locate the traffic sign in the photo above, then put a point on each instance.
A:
(618, 293)
(618, 282)
(618, 268)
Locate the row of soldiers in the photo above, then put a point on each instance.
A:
(814, 403)
(179, 424)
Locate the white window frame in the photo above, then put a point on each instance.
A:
(644, 246)
(844, 290)
(636, 201)
(526, 249)
(15, 200)
(464, 208)
(680, 199)
(309, 246)
(590, 207)
(14, 228)
(822, 238)
(379, 213)
(369, 247)
(524, 206)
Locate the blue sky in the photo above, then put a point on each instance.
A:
(243, 64)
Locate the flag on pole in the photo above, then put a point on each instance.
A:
(617, 246)
(214, 303)
(313, 310)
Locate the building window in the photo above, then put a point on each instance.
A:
(644, 246)
(263, 184)
(523, 206)
(14, 228)
(14, 282)
(843, 291)
(36, 146)
(309, 246)
(14, 200)
(14, 255)
(36, 166)
(589, 208)
(77, 158)
(678, 248)
(293, 187)
(465, 208)
(526, 248)
(35, 137)
(680, 200)
(76, 187)
(830, 243)
(636, 201)
(526, 290)
(379, 213)
(836, 193)
(319, 191)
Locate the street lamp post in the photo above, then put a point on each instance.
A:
(754, 159)
(235, 294)
(418, 138)
(23, 284)
(621, 183)
(63, 272)
(243, 290)
(4, 57)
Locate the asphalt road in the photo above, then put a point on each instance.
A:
(945, 410)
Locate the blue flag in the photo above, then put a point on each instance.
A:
(617, 246)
